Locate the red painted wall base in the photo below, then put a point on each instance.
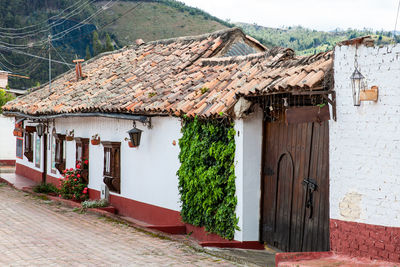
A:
(29, 173)
(7, 162)
(365, 240)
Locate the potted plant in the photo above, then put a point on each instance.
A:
(95, 140)
(69, 136)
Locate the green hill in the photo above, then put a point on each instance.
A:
(307, 41)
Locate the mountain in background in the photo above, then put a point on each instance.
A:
(85, 28)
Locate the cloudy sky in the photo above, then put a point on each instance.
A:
(316, 14)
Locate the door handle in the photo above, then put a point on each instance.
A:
(311, 187)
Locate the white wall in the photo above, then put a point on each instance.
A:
(7, 139)
(365, 140)
(248, 175)
(148, 173)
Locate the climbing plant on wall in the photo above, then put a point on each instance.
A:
(207, 176)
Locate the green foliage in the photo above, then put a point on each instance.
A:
(88, 204)
(73, 186)
(306, 41)
(204, 90)
(109, 45)
(4, 98)
(207, 176)
(88, 55)
(45, 189)
(97, 46)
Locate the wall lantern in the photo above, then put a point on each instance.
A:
(40, 129)
(134, 135)
(357, 82)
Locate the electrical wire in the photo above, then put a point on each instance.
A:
(43, 22)
(48, 27)
(60, 56)
(4, 48)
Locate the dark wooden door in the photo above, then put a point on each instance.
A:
(295, 185)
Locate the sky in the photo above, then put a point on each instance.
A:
(323, 15)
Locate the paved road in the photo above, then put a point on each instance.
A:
(35, 232)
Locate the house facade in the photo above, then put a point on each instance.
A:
(312, 170)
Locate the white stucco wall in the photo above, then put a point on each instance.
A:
(248, 172)
(7, 139)
(365, 140)
(148, 173)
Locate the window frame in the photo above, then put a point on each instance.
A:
(112, 166)
(28, 142)
(21, 149)
(59, 152)
(38, 151)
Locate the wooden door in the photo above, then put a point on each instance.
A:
(295, 186)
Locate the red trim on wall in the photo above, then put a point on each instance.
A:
(53, 180)
(7, 162)
(94, 194)
(145, 212)
(29, 173)
(365, 240)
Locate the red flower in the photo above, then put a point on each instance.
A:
(67, 176)
(71, 169)
(78, 175)
(59, 195)
(75, 180)
(65, 171)
(78, 166)
(85, 188)
(86, 162)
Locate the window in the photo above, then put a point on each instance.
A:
(38, 151)
(20, 143)
(111, 171)
(29, 141)
(82, 154)
(59, 152)
(82, 149)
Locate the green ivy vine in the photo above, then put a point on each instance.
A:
(207, 176)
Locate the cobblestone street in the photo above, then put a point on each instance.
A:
(37, 232)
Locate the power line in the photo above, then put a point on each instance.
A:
(4, 48)
(48, 27)
(43, 22)
(60, 55)
(102, 26)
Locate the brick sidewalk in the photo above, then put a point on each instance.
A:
(35, 232)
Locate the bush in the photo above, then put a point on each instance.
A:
(45, 189)
(95, 203)
(207, 176)
(73, 186)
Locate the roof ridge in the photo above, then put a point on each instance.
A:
(236, 59)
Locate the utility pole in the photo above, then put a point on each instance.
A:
(49, 37)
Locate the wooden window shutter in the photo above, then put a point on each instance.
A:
(111, 170)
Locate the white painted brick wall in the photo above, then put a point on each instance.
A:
(365, 140)
(7, 139)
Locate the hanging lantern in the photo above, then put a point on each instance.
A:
(134, 135)
(357, 84)
(40, 129)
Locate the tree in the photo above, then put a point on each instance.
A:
(88, 55)
(97, 47)
(109, 45)
(4, 98)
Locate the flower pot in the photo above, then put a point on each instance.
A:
(69, 138)
(95, 142)
(130, 144)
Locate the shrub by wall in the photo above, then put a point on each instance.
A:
(207, 176)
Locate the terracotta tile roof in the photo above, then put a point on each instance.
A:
(175, 77)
